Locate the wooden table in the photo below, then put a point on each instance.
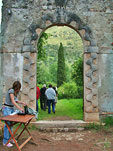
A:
(15, 119)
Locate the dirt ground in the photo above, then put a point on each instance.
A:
(86, 140)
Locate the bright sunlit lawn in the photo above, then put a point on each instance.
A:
(72, 108)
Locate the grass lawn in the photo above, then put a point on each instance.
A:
(72, 108)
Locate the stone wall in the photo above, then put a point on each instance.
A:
(24, 20)
(106, 82)
(1, 85)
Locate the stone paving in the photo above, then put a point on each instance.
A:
(60, 126)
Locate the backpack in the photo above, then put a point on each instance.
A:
(30, 111)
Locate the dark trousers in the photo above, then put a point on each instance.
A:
(49, 106)
(43, 103)
(37, 105)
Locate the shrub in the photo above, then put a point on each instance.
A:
(108, 121)
(40, 85)
(47, 84)
(77, 72)
(52, 83)
(69, 90)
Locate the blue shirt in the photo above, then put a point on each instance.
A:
(50, 93)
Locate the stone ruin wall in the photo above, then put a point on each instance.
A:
(22, 24)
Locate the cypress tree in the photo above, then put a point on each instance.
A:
(61, 66)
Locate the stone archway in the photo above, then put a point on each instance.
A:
(22, 23)
(29, 50)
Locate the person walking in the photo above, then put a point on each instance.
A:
(56, 97)
(50, 93)
(8, 108)
(37, 97)
(43, 98)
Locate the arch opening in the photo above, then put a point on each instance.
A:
(73, 45)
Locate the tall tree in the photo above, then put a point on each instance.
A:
(61, 66)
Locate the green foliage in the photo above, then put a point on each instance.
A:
(68, 70)
(70, 39)
(40, 46)
(53, 72)
(48, 46)
(52, 83)
(72, 108)
(40, 85)
(77, 72)
(105, 124)
(61, 66)
(46, 75)
(93, 126)
(108, 121)
(80, 91)
(68, 90)
(42, 73)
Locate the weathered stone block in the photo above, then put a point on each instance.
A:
(95, 103)
(89, 73)
(32, 74)
(94, 117)
(89, 85)
(94, 79)
(92, 49)
(94, 55)
(89, 97)
(38, 31)
(48, 23)
(27, 41)
(26, 55)
(89, 61)
(89, 109)
(26, 67)
(26, 48)
(26, 79)
(33, 48)
(25, 98)
(25, 91)
(32, 61)
(31, 86)
(95, 91)
(94, 68)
